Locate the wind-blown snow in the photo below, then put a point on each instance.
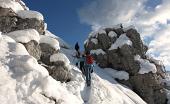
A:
(117, 74)
(24, 36)
(97, 52)
(122, 40)
(15, 6)
(59, 57)
(30, 14)
(112, 34)
(145, 66)
(51, 41)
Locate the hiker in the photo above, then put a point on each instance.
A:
(88, 67)
(82, 63)
(77, 55)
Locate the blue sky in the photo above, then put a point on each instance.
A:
(62, 18)
(72, 20)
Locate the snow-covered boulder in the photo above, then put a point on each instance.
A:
(60, 69)
(122, 40)
(49, 46)
(11, 20)
(145, 65)
(30, 14)
(51, 41)
(24, 36)
(15, 6)
(7, 12)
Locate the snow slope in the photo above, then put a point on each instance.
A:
(24, 81)
(104, 89)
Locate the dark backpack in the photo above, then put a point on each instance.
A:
(89, 59)
(77, 47)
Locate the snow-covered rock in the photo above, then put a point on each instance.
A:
(30, 14)
(129, 27)
(122, 40)
(95, 41)
(97, 52)
(145, 65)
(15, 6)
(51, 41)
(120, 49)
(112, 34)
(121, 75)
(60, 57)
(24, 36)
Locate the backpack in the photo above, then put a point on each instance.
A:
(77, 47)
(89, 59)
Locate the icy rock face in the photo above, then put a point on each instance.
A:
(119, 55)
(10, 21)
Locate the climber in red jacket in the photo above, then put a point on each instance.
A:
(88, 67)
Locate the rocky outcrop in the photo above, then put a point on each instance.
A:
(59, 71)
(9, 21)
(120, 56)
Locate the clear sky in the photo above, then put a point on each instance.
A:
(62, 18)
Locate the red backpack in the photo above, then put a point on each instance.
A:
(89, 59)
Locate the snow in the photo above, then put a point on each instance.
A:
(15, 6)
(22, 3)
(104, 89)
(30, 14)
(59, 57)
(86, 41)
(7, 38)
(61, 41)
(112, 34)
(97, 52)
(51, 41)
(155, 60)
(122, 40)
(101, 31)
(145, 65)
(128, 28)
(168, 96)
(94, 40)
(25, 81)
(121, 75)
(24, 36)
(93, 34)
